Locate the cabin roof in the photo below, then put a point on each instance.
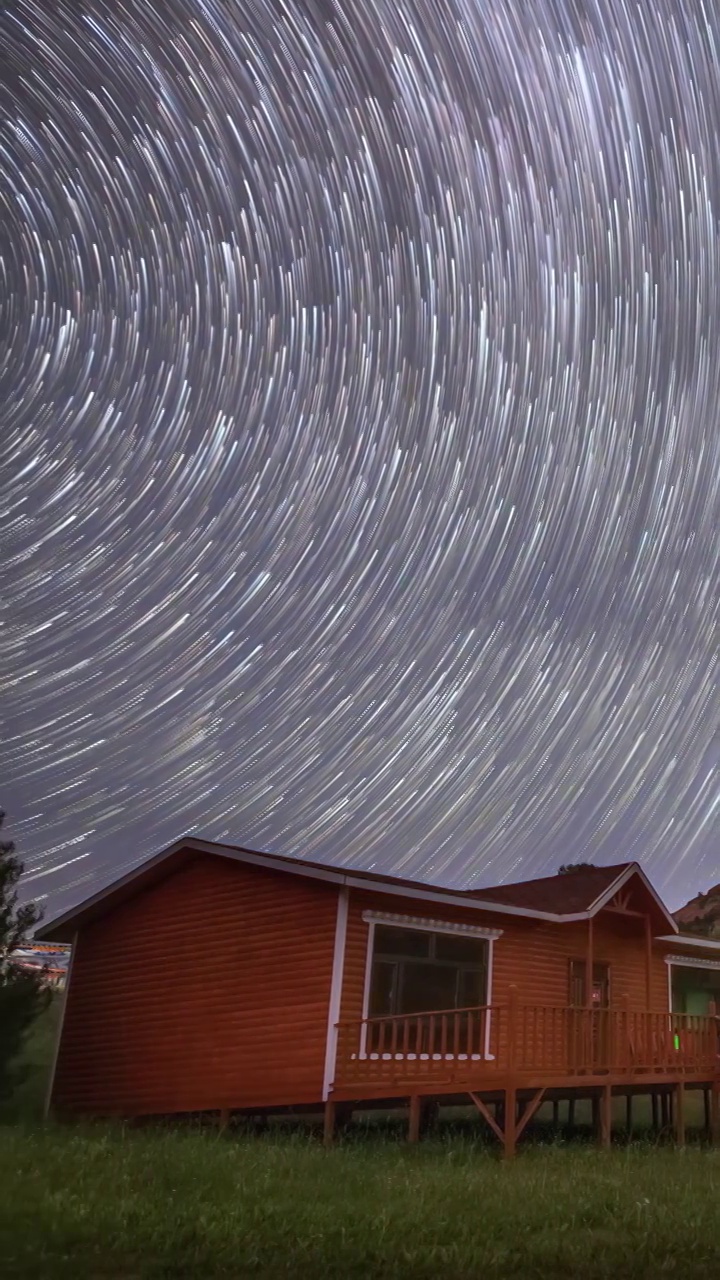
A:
(560, 894)
(559, 898)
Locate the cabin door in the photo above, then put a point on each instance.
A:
(589, 1027)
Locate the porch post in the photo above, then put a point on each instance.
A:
(605, 1117)
(510, 1123)
(329, 1123)
(589, 966)
(715, 1113)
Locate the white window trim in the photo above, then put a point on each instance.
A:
(373, 918)
(689, 962)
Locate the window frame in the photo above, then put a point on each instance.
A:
(413, 923)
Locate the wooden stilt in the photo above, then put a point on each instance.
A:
(429, 1113)
(715, 1114)
(571, 1114)
(329, 1124)
(680, 1114)
(629, 1114)
(604, 1129)
(414, 1118)
(655, 1111)
(510, 1138)
(556, 1114)
(223, 1119)
(595, 1104)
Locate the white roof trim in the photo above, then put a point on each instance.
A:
(688, 939)
(693, 962)
(335, 875)
(634, 869)
(431, 926)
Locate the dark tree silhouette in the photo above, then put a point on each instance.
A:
(567, 868)
(23, 994)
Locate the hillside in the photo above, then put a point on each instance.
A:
(701, 915)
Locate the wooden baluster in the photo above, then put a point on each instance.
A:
(443, 1034)
(431, 1035)
(456, 1035)
(406, 1037)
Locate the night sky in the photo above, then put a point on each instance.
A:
(359, 434)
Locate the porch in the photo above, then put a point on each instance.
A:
(526, 1042)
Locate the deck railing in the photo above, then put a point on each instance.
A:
(539, 1041)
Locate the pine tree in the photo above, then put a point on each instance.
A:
(23, 994)
(567, 868)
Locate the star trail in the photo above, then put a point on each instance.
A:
(359, 434)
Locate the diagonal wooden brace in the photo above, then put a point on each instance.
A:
(533, 1105)
(484, 1112)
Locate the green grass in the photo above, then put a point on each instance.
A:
(104, 1202)
(116, 1203)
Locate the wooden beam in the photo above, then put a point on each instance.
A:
(648, 963)
(414, 1118)
(715, 1113)
(604, 1131)
(510, 1123)
(486, 1115)
(680, 1114)
(530, 1110)
(329, 1123)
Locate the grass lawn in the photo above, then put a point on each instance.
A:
(107, 1202)
(113, 1203)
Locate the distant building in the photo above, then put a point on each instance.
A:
(53, 958)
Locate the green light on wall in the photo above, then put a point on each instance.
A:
(677, 1042)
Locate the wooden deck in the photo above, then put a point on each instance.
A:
(522, 1054)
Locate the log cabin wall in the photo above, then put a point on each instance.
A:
(208, 990)
(533, 955)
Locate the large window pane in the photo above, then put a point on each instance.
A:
(460, 949)
(426, 987)
(471, 988)
(383, 988)
(401, 942)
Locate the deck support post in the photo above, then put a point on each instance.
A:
(604, 1129)
(223, 1119)
(571, 1114)
(414, 1118)
(329, 1123)
(680, 1114)
(629, 1114)
(510, 1134)
(714, 1128)
(556, 1114)
(655, 1110)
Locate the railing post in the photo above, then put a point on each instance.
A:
(625, 1056)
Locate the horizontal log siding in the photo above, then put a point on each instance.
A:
(208, 990)
(533, 955)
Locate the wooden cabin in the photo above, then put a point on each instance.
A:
(218, 979)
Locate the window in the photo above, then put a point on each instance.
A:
(414, 971)
(694, 990)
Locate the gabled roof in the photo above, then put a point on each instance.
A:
(551, 898)
(561, 894)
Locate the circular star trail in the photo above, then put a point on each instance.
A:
(359, 396)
